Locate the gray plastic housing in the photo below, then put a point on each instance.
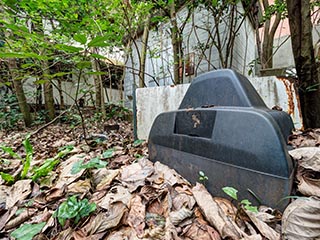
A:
(241, 145)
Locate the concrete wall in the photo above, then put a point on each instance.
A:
(283, 56)
(69, 91)
(159, 62)
(152, 101)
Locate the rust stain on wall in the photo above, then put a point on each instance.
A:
(289, 90)
(291, 93)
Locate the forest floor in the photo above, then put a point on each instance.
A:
(58, 185)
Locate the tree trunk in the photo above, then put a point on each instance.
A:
(48, 93)
(98, 89)
(302, 47)
(18, 87)
(100, 107)
(176, 39)
(268, 38)
(144, 49)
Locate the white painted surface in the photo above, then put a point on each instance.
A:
(155, 100)
(69, 89)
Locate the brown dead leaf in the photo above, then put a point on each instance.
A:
(134, 175)
(308, 182)
(263, 228)
(121, 234)
(180, 215)
(50, 196)
(201, 231)
(169, 175)
(120, 161)
(170, 230)
(226, 206)
(106, 178)
(116, 194)
(215, 215)
(149, 193)
(137, 214)
(80, 186)
(301, 219)
(183, 200)
(4, 193)
(18, 192)
(156, 207)
(7, 216)
(307, 157)
(64, 235)
(22, 217)
(66, 177)
(106, 220)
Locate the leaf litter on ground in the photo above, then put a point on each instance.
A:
(110, 190)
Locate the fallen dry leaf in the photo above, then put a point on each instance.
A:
(301, 219)
(137, 214)
(180, 215)
(307, 157)
(263, 228)
(66, 177)
(134, 175)
(215, 215)
(116, 194)
(308, 183)
(81, 186)
(22, 217)
(168, 175)
(106, 178)
(201, 231)
(18, 192)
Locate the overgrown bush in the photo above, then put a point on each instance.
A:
(118, 111)
(10, 113)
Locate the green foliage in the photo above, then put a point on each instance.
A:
(202, 177)
(138, 142)
(245, 203)
(278, 6)
(108, 153)
(71, 118)
(9, 111)
(117, 111)
(36, 172)
(27, 231)
(74, 209)
(93, 163)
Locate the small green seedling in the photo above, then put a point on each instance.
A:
(202, 177)
(74, 209)
(245, 203)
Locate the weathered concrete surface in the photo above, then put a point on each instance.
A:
(155, 100)
(152, 101)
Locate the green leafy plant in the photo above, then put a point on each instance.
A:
(117, 111)
(202, 177)
(138, 142)
(25, 161)
(27, 231)
(49, 164)
(93, 163)
(36, 172)
(9, 112)
(74, 209)
(245, 203)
